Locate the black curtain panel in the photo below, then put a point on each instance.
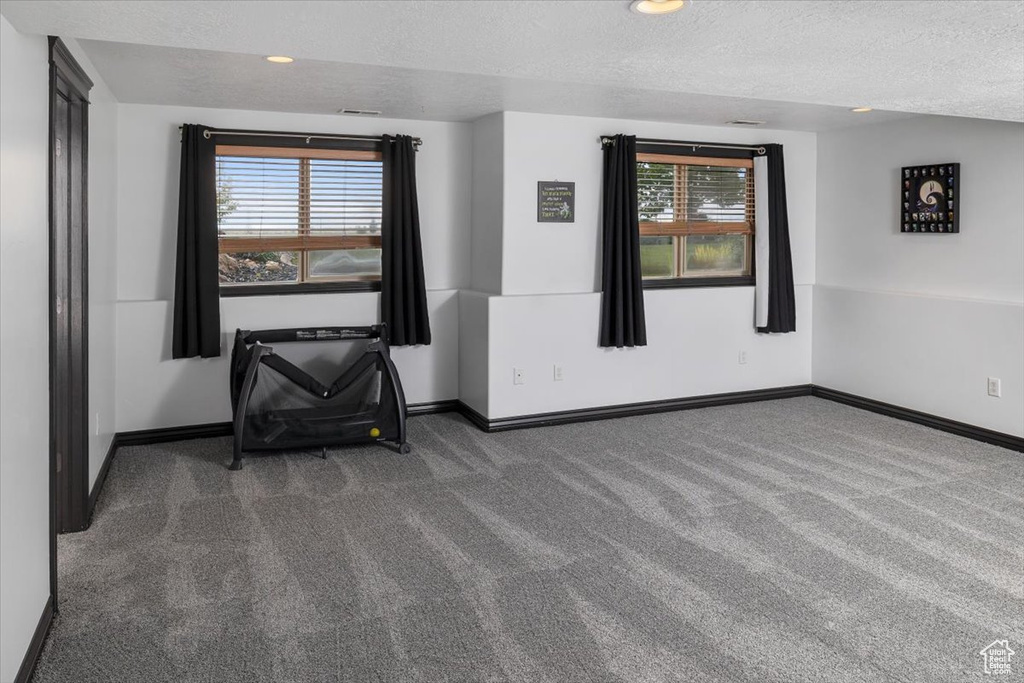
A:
(403, 295)
(196, 296)
(622, 299)
(781, 301)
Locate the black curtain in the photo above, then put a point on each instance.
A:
(781, 302)
(622, 300)
(196, 286)
(403, 296)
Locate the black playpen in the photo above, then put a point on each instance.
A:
(277, 405)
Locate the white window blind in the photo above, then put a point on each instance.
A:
(279, 198)
(344, 196)
(681, 195)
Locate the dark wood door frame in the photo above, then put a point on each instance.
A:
(69, 303)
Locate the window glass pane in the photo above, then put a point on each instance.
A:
(249, 267)
(338, 263)
(716, 193)
(715, 255)
(257, 196)
(655, 188)
(657, 257)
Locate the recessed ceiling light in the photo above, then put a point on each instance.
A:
(861, 110)
(656, 6)
(280, 59)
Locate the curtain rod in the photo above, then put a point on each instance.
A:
(416, 142)
(693, 145)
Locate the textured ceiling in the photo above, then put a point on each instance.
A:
(952, 58)
(161, 75)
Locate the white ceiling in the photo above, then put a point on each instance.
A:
(161, 75)
(796, 64)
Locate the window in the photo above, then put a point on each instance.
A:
(696, 219)
(298, 216)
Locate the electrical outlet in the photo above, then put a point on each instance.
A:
(557, 375)
(518, 376)
(743, 358)
(995, 387)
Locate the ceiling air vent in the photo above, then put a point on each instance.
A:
(360, 112)
(745, 122)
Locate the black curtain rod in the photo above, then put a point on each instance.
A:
(605, 141)
(416, 142)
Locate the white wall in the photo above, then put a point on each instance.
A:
(548, 311)
(474, 349)
(24, 334)
(486, 203)
(102, 262)
(694, 340)
(547, 258)
(155, 391)
(922, 320)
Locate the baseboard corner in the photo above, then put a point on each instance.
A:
(432, 407)
(101, 479)
(475, 418)
(983, 434)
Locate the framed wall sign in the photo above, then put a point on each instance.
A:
(930, 198)
(556, 202)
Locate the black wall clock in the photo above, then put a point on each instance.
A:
(930, 198)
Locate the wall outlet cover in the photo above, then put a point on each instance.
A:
(518, 376)
(995, 387)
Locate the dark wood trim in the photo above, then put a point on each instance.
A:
(684, 282)
(35, 646)
(68, 308)
(165, 434)
(61, 56)
(631, 409)
(51, 327)
(299, 288)
(432, 408)
(145, 437)
(1010, 441)
(478, 420)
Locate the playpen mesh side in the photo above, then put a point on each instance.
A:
(283, 414)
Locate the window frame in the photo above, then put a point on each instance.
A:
(669, 149)
(293, 145)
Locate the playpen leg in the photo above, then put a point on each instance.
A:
(323, 452)
(236, 462)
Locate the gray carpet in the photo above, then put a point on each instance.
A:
(795, 540)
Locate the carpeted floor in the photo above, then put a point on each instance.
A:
(795, 540)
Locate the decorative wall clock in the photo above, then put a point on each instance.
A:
(930, 198)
